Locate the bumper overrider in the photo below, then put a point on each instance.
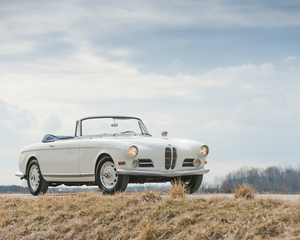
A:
(162, 173)
(20, 175)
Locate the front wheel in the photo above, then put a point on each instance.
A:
(108, 180)
(35, 181)
(191, 183)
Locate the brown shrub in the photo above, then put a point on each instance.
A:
(178, 190)
(150, 196)
(244, 191)
(149, 232)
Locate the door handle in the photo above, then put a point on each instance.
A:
(51, 145)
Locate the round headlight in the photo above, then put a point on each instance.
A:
(133, 151)
(135, 163)
(203, 150)
(196, 162)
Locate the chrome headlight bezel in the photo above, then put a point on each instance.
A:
(197, 162)
(135, 163)
(133, 151)
(204, 150)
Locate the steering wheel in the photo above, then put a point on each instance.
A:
(129, 132)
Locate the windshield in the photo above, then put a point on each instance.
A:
(113, 126)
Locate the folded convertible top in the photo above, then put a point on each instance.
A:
(52, 138)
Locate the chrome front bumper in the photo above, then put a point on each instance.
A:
(162, 173)
(20, 175)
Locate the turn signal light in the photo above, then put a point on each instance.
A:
(205, 162)
(121, 163)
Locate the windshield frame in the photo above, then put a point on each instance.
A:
(78, 128)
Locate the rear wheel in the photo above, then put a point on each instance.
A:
(108, 180)
(35, 181)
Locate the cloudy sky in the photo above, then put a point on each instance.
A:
(225, 73)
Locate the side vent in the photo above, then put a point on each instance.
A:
(188, 162)
(145, 163)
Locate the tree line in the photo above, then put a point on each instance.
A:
(271, 179)
(13, 188)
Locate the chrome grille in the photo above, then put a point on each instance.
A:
(174, 158)
(145, 163)
(168, 155)
(170, 158)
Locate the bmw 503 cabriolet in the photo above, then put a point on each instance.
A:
(111, 151)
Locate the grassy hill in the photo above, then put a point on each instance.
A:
(147, 215)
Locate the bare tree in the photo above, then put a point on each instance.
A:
(273, 178)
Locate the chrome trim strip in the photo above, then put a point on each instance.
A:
(68, 175)
(20, 174)
(162, 173)
(88, 175)
(61, 176)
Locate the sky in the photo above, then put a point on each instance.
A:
(224, 73)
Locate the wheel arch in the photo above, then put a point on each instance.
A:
(99, 158)
(30, 159)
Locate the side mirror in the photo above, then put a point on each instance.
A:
(164, 134)
(114, 125)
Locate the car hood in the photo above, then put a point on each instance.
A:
(151, 142)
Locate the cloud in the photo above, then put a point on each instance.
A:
(53, 123)
(58, 86)
(240, 74)
(138, 14)
(15, 126)
(88, 21)
(120, 52)
(15, 120)
(264, 113)
(86, 76)
(290, 58)
(13, 48)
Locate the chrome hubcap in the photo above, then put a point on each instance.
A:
(34, 177)
(108, 175)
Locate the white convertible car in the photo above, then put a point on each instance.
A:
(111, 151)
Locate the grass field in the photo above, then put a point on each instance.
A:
(147, 215)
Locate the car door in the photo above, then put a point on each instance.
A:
(90, 149)
(60, 159)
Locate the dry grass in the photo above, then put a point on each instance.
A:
(150, 196)
(244, 191)
(178, 190)
(145, 215)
